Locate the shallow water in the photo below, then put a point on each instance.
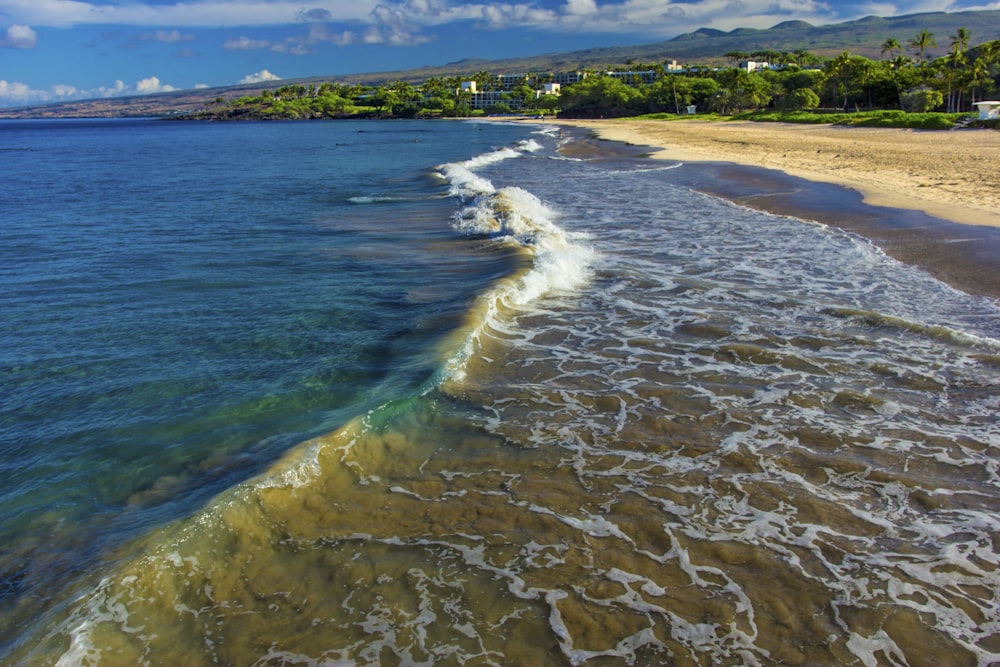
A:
(671, 430)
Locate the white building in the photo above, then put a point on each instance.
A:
(988, 109)
(511, 81)
(492, 98)
(549, 89)
(567, 78)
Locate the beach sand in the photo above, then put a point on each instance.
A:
(927, 198)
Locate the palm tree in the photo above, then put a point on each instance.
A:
(922, 42)
(898, 63)
(960, 40)
(841, 72)
(957, 75)
(979, 74)
(891, 45)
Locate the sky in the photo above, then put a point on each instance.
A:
(60, 50)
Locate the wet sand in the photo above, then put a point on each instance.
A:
(930, 199)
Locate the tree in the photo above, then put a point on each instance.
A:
(846, 76)
(958, 75)
(527, 96)
(979, 75)
(599, 97)
(922, 42)
(739, 90)
(802, 98)
(960, 40)
(922, 99)
(331, 104)
(735, 57)
(891, 45)
(897, 63)
(384, 99)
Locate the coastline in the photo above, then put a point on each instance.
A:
(941, 214)
(948, 174)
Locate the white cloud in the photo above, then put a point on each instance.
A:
(244, 43)
(317, 14)
(18, 37)
(292, 48)
(581, 7)
(260, 77)
(13, 93)
(119, 88)
(152, 85)
(171, 36)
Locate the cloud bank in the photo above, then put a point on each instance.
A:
(14, 93)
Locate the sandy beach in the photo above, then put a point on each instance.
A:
(953, 175)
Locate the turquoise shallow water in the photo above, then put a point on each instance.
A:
(437, 393)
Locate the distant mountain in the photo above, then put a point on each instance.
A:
(703, 46)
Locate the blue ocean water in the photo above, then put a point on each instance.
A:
(472, 393)
(183, 302)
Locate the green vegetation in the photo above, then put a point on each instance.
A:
(912, 91)
(885, 118)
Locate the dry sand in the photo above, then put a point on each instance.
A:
(954, 175)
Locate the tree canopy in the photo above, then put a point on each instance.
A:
(788, 82)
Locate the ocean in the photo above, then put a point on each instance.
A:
(450, 392)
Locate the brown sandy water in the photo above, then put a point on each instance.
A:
(732, 439)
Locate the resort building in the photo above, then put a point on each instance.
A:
(988, 109)
(492, 98)
(632, 78)
(753, 65)
(511, 81)
(568, 78)
(549, 89)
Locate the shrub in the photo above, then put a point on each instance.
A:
(802, 98)
(922, 99)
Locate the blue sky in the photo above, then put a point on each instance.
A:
(56, 50)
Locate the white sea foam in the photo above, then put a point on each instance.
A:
(373, 199)
(512, 215)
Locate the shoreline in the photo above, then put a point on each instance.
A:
(951, 175)
(898, 208)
